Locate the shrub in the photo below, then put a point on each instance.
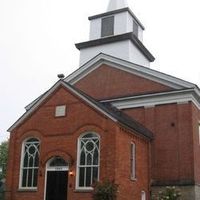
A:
(105, 190)
(170, 193)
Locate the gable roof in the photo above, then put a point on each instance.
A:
(127, 66)
(106, 109)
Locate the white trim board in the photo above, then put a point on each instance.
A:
(133, 68)
(150, 100)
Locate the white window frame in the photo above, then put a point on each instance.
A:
(78, 161)
(143, 195)
(133, 161)
(22, 165)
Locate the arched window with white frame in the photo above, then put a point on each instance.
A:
(29, 163)
(88, 163)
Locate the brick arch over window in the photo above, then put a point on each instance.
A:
(30, 134)
(64, 155)
(89, 128)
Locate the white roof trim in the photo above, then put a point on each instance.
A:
(142, 71)
(51, 90)
(150, 100)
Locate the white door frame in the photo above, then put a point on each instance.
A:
(49, 168)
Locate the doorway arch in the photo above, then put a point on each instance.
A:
(56, 179)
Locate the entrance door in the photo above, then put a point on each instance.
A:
(56, 179)
(56, 185)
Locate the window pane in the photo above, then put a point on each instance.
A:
(89, 159)
(35, 177)
(88, 176)
(96, 157)
(58, 161)
(32, 149)
(32, 140)
(30, 171)
(135, 28)
(31, 164)
(82, 158)
(107, 26)
(24, 176)
(26, 160)
(133, 157)
(89, 146)
(95, 174)
(81, 176)
(36, 160)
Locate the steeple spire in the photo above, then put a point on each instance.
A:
(117, 4)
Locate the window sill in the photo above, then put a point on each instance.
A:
(133, 179)
(84, 190)
(27, 190)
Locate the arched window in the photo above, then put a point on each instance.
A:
(88, 160)
(29, 163)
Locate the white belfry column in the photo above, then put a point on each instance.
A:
(117, 4)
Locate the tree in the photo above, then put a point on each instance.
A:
(3, 158)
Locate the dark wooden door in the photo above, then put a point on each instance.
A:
(56, 188)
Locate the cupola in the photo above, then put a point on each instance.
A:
(117, 32)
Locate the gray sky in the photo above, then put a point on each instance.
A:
(37, 40)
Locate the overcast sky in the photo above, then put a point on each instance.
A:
(37, 40)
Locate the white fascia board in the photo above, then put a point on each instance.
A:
(50, 91)
(84, 70)
(156, 99)
(33, 102)
(133, 68)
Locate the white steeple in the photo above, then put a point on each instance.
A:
(117, 4)
(118, 33)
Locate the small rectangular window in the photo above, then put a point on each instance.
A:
(133, 161)
(107, 26)
(135, 28)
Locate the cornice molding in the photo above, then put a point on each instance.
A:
(151, 100)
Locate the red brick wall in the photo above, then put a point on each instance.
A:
(106, 82)
(196, 142)
(172, 147)
(59, 136)
(131, 189)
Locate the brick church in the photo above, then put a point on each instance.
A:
(113, 118)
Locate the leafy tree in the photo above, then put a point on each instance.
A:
(3, 158)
